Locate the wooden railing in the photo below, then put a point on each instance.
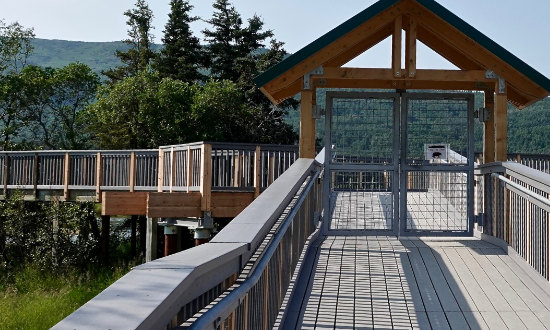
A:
(230, 166)
(261, 246)
(515, 208)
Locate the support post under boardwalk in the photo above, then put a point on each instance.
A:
(151, 240)
(489, 129)
(307, 125)
(501, 128)
(105, 236)
(170, 240)
(133, 235)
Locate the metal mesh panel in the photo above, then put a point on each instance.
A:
(439, 203)
(362, 201)
(439, 122)
(362, 131)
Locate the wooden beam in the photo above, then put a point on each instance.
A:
(360, 47)
(307, 126)
(230, 204)
(410, 49)
(340, 46)
(474, 51)
(174, 205)
(489, 129)
(397, 37)
(123, 203)
(401, 84)
(421, 75)
(501, 127)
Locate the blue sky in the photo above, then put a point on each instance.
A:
(519, 26)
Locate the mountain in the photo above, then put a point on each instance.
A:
(58, 53)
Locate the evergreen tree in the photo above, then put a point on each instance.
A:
(223, 41)
(182, 55)
(140, 40)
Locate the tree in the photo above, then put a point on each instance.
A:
(223, 40)
(143, 111)
(56, 100)
(182, 55)
(140, 40)
(15, 47)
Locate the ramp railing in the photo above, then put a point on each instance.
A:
(516, 209)
(164, 293)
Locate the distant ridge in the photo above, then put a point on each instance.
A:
(58, 53)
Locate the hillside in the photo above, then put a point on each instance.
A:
(57, 53)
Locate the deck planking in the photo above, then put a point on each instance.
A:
(363, 282)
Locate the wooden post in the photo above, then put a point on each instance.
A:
(160, 178)
(396, 46)
(206, 176)
(172, 168)
(67, 177)
(170, 240)
(307, 125)
(142, 233)
(98, 176)
(410, 49)
(271, 171)
(489, 129)
(6, 176)
(236, 172)
(133, 235)
(105, 235)
(151, 239)
(257, 171)
(132, 173)
(501, 128)
(189, 168)
(35, 175)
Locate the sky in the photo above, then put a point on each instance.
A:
(519, 26)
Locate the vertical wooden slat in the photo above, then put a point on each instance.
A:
(6, 176)
(236, 163)
(160, 178)
(189, 176)
(396, 46)
(271, 169)
(172, 168)
(206, 176)
(35, 175)
(67, 175)
(132, 178)
(257, 179)
(98, 176)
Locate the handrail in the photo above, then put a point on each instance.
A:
(167, 291)
(222, 309)
(516, 209)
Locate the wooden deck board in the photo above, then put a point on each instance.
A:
(380, 282)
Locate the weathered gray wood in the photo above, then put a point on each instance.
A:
(446, 297)
(512, 320)
(531, 321)
(475, 320)
(425, 286)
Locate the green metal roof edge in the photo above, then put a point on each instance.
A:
(323, 41)
(486, 42)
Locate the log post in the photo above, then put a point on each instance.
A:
(501, 127)
(489, 129)
(307, 125)
(396, 46)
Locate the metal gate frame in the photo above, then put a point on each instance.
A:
(399, 167)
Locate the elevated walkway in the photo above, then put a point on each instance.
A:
(439, 283)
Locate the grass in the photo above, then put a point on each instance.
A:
(35, 299)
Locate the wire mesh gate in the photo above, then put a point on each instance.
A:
(385, 177)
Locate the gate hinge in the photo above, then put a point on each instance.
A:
(501, 82)
(307, 77)
(317, 112)
(483, 114)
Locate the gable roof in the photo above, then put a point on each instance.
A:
(526, 85)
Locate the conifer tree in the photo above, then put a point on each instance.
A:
(140, 40)
(182, 56)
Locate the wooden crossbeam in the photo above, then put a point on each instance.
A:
(388, 74)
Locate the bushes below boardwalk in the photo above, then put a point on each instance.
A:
(50, 261)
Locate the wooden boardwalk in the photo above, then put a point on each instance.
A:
(359, 282)
(367, 210)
